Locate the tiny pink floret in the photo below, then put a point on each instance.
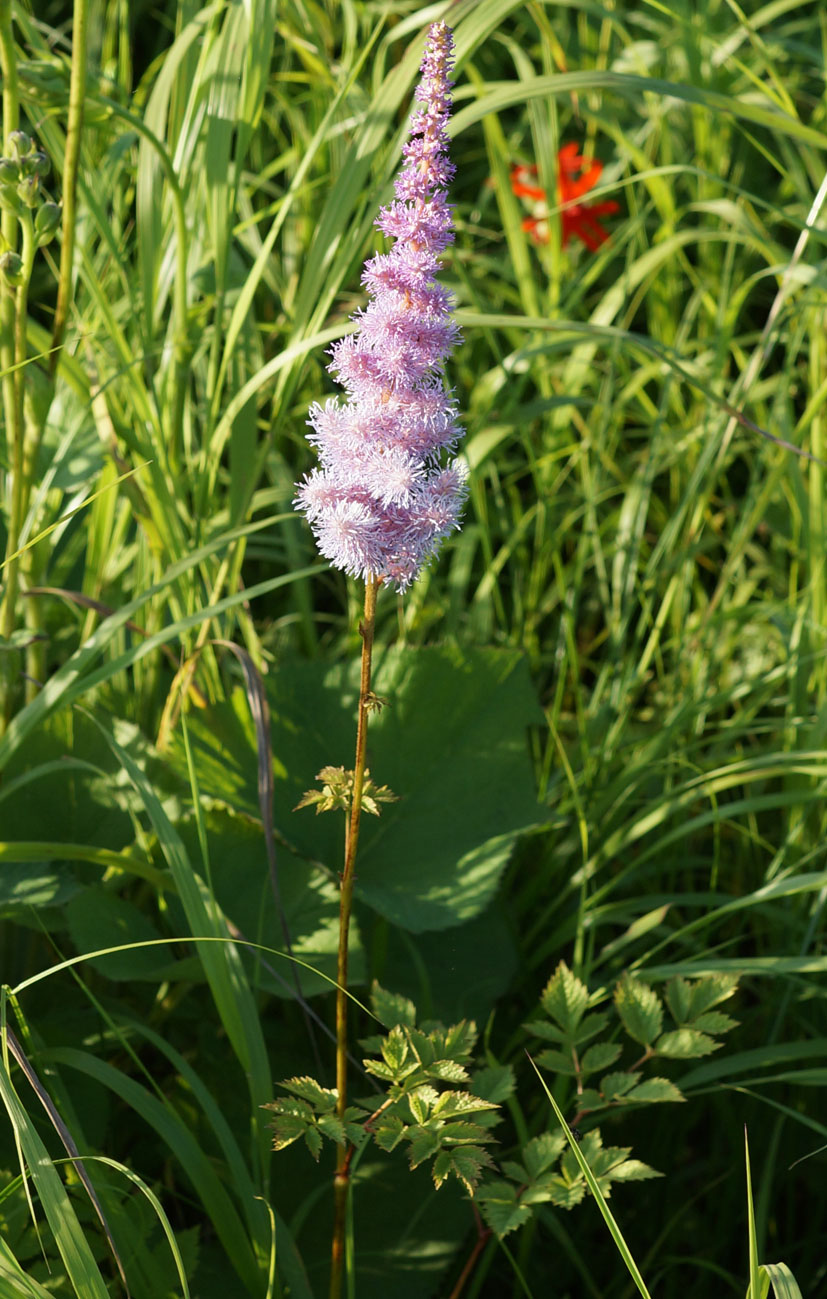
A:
(382, 499)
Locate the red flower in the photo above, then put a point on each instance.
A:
(575, 177)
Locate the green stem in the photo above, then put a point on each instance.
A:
(341, 1181)
(16, 437)
(74, 128)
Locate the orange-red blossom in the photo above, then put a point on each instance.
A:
(575, 177)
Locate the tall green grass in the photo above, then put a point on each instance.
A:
(646, 527)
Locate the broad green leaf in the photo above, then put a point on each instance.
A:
(656, 1089)
(599, 1056)
(686, 1044)
(589, 1099)
(639, 1008)
(433, 859)
(100, 918)
(307, 905)
(565, 998)
(566, 1195)
(313, 1141)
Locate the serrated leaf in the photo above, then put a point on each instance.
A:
(323, 1099)
(395, 1049)
(448, 1071)
(686, 1044)
(287, 1128)
(459, 1041)
(420, 1102)
(678, 999)
(709, 991)
(494, 1083)
(616, 1085)
(381, 1070)
(565, 999)
(566, 1195)
(390, 1008)
(466, 1164)
(544, 1030)
(424, 1143)
(589, 1099)
(542, 1151)
(557, 1062)
(450, 1104)
(313, 1141)
(599, 1056)
(332, 1127)
(389, 1132)
(639, 1008)
(714, 1021)
(460, 1132)
(590, 1027)
(422, 1045)
(632, 1170)
(656, 1090)
(500, 1208)
(515, 1171)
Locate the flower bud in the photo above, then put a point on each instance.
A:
(11, 269)
(9, 171)
(19, 144)
(29, 191)
(46, 223)
(41, 163)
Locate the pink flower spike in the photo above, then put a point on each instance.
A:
(382, 499)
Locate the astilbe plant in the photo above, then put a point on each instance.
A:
(384, 496)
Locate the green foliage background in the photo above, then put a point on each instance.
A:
(608, 700)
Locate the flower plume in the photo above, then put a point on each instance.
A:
(383, 498)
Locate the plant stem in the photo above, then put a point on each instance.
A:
(8, 225)
(341, 1179)
(74, 128)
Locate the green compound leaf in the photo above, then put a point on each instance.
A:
(599, 1056)
(686, 1044)
(639, 1008)
(565, 998)
(656, 1090)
